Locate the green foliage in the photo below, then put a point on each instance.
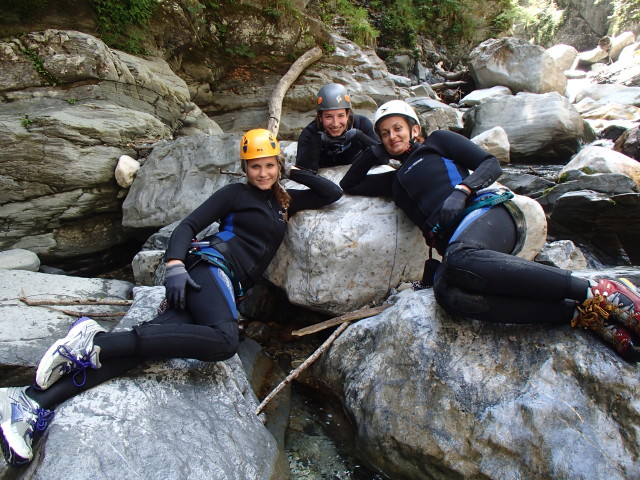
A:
(278, 9)
(355, 21)
(26, 122)
(399, 24)
(121, 22)
(241, 50)
(540, 19)
(38, 64)
(625, 13)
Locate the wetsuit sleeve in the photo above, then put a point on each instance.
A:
(366, 127)
(486, 168)
(211, 210)
(309, 148)
(357, 182)
(321, 191)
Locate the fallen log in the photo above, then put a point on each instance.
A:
(275, 102)
(347, 317)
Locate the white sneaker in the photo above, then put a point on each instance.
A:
(20, 418)
(71, 354)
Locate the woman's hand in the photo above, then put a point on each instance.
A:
(176, 282)
(452, 206)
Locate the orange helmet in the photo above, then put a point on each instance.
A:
(258, 143)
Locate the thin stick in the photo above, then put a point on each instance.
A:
(73, 313)
(228, 172)
(294, 374)
(347, 317)
(73, 301)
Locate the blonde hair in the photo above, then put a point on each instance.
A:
(283, 197)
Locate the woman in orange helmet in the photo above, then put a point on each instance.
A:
(203, 281)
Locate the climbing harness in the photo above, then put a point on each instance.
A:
(216, 253)
(438, 235)
(488, 199)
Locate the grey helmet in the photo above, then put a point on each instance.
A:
(333, 96)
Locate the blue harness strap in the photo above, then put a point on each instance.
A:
(488, 199)
(215, 258)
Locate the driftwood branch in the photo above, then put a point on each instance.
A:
(72, 301)
(443, 85)
(347, 317)
(275, 102)
(449, 76)
(295, 373)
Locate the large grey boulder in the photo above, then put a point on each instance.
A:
(516, 64)
(541, 128)
(563, 55)
(348, 254)
(431, 396)
(178, 176)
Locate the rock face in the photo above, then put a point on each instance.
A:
(435, 397)
(516, 64)
(73, 105)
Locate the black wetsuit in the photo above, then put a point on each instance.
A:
(314, 152)
(479, 277)
(252, 224)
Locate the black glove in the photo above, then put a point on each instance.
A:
(381, 155)
(175, 283)
(452, 206)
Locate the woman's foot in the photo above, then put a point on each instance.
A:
(20, 418)
(621, 300)
(593, 315)
(71, 354)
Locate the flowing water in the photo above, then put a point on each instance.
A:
(319, 441)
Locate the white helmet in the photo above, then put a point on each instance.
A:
(395, 107)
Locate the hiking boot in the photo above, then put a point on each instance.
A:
(71, 354)
(621, 300)
(593, 316)
(20, 417)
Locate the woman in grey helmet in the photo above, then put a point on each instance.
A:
(337, 136)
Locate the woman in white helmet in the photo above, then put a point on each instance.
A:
(440, 187)
(337, 135)
(204, 281)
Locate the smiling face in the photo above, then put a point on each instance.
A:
(396, 134)
(334, 122)
(262, 173)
